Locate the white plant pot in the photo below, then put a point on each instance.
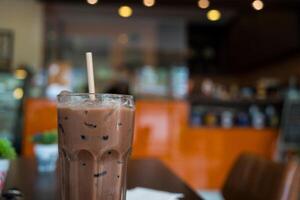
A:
(46, 156)
(4, 166)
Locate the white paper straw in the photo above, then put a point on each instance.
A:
(90, 74)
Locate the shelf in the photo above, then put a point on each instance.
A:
(236, 102)
(289, 146)
(235, 128)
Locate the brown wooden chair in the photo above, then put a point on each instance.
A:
(254, 178)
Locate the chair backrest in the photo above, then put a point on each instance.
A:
(39, 115)
(254, 178)
(292, 182)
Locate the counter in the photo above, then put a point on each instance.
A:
(200, 156)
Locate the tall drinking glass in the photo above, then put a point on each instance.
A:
(95, 139)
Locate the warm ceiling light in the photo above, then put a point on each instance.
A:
(203, 4)
(258, 5)
(149, 3)
(92, 2)
(125, 11)
(213, 15)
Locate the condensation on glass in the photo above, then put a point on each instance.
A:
(95, 139)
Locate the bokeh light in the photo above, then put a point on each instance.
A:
(20, 74)
(92, 2)
(18, 93)
(125, 11)
(203, 4)
(149, 3)
(258, 5)
(214, 15)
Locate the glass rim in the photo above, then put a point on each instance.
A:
(97, 94)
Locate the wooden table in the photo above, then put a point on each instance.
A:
(151, 173)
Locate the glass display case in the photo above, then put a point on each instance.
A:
(11, 95)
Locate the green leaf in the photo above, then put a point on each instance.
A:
(7, 151)
(47, 137)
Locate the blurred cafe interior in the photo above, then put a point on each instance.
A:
(212, 79)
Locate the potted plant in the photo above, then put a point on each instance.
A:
(46, 150)
(7, 153)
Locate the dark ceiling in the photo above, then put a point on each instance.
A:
(248, 41)
(191, 3)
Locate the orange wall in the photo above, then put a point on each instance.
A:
(158, 125)
(204, 156)
(39, 116)
(200, 156)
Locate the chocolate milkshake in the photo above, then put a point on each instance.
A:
(95, 138)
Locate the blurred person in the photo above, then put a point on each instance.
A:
(59, 78)
(119, 87)
(120, 84)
